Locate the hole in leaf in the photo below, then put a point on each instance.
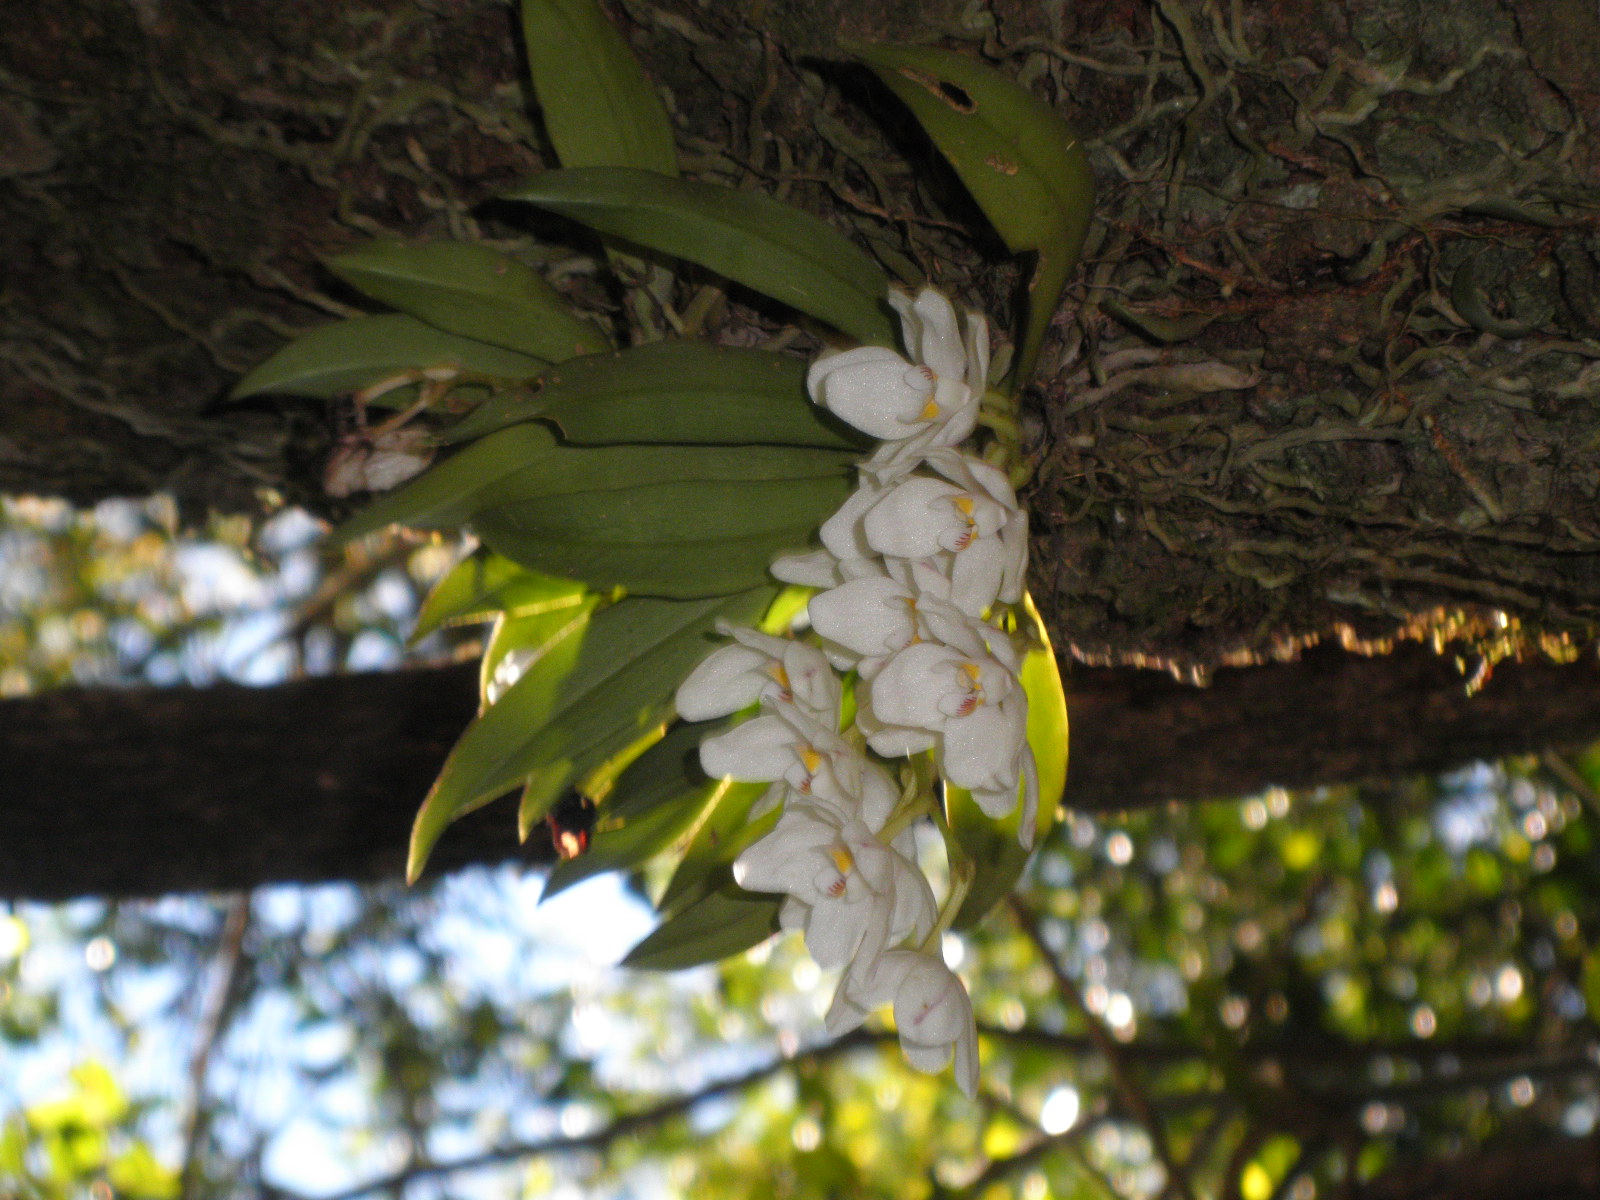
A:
(955, 96)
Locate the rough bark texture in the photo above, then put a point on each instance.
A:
(141, 791)
(1331, 359)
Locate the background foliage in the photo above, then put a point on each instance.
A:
(1269, 997)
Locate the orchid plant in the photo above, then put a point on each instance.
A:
(632, 503)
(911, 564)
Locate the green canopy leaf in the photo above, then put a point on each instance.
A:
(471, 290)
(671, 392)
(598, 107)
(721, 922)
(352, 354)
(1023, 164)
(763, 243)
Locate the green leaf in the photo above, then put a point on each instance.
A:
(484, 585)
(515, 642)
(599, 108)
(524, 471)
(671, 392)
(1023, 164)
(677, 521)
(763, 243)
(992, 846)
(722, 922)
(476, 770)
(348, 355)
(599, 683)
(471, 290)
(724, 830)
(652, 804)
(448, 493)
(701, 536)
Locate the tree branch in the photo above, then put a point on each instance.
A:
(146, 791)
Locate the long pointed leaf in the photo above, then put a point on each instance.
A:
(484, 585)
(671, 392)
(698, 537)
(1021, 161)
(448, 493)
(346, 355)
(599, 108)
(475, 772)
(720, 923)
(634, 665)
(474, 291)
(592, 692)
(650, 806)
(763, 243)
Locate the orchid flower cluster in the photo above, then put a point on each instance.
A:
(911, 573)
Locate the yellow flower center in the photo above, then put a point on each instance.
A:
(781, 677)
(844, 862)
(974, 688)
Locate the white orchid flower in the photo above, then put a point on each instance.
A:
(851, 894)
(756, 667)
(932, 1011)
(972, 706)
(864, 621)
(930, 400)
(788, 746)
(971, 516)
(966, 526)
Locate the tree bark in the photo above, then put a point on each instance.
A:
(143, 791)
(1332, 358)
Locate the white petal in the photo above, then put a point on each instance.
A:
(930, 1060)
(976, 576)
(841, 533)
(937, 335)
(835, 930)
(758, 750)
(977, 348)
(1014, 538)
(879, 797)
(915, 909)
(729, 679)
(913, 519)
(845, 1013)
(812, 682)
(793, 914)
(983, 751)
(873, 389)
(817, 569)
(915, 684)
(896, 741)
(869, 616)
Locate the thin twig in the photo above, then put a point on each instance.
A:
(227, 968)
(600, 1139)
(1122, 1077)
